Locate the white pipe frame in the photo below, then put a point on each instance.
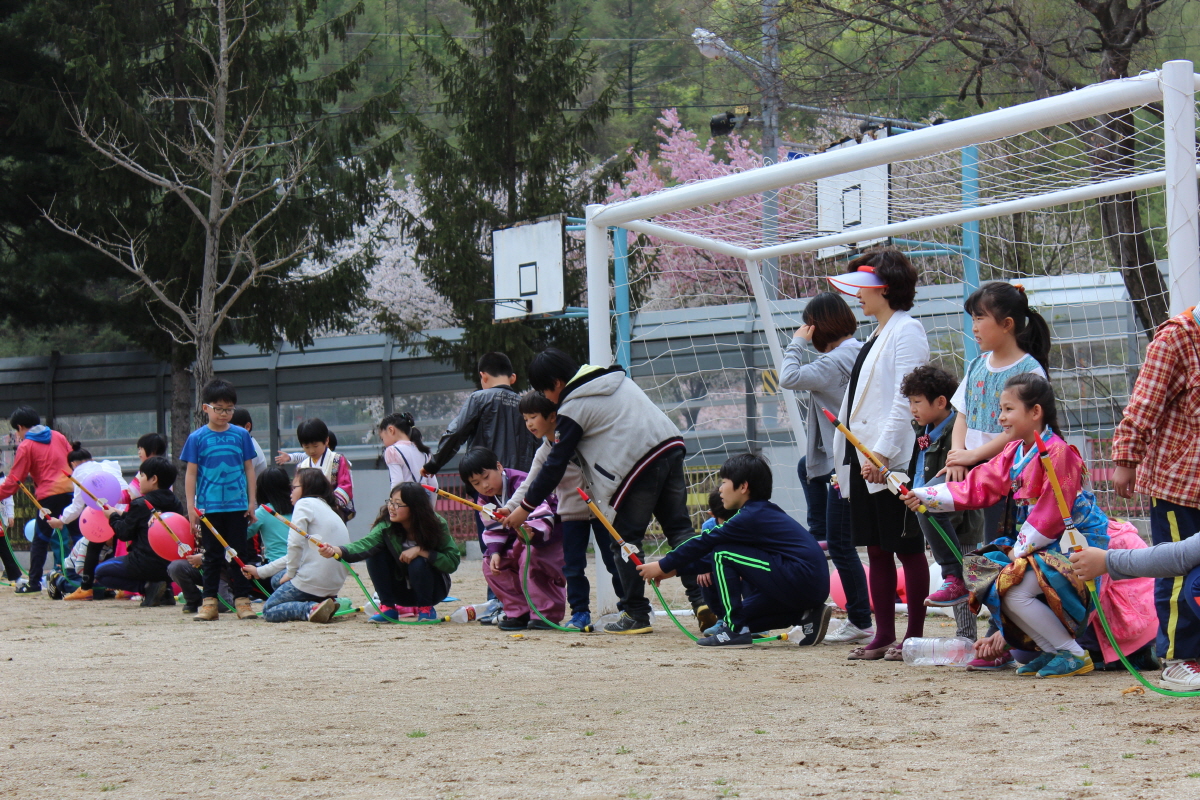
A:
(1183, 203)
(772, 336)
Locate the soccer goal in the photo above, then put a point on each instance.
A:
(1088, 198)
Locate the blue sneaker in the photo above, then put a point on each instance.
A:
(579, 620)
(426, 613)
(390, 615)
(1065, 663)
(1032, 668)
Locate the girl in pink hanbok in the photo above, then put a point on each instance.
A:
(1025, 579)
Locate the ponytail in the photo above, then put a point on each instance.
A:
(1034, 390)
(1003, 301)
(404, 422)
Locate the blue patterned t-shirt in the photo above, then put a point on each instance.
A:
(220, 458)
(978, 396)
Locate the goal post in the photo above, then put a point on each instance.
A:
(1035, 202)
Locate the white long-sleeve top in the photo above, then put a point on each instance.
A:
(310, 571)
(87, 468)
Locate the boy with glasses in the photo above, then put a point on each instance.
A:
(220, 482)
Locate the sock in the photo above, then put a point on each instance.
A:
(1076, 650)
(744, 629)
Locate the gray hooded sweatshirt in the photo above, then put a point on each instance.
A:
(611, 429)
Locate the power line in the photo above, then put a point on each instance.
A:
(677, 39)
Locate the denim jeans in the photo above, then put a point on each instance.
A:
(120, 575)
(816, 494)
(839, 533)
(660, 490)
(576, 535)
(289, 604)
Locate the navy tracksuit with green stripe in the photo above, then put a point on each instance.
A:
(767, 569)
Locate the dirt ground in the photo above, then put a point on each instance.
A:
(145, 703)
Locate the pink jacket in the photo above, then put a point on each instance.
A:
(1129, 604)
(44, 463)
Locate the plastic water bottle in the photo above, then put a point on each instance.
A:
(938, 652)
(468, 613)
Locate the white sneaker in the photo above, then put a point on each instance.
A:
(849, 633)
(1181, 675)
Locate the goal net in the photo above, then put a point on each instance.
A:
(1087, 199)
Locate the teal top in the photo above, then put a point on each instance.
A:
(273, 532)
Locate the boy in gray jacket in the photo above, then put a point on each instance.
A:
(631, 458)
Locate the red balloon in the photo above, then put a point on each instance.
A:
(161, 540)
(94, 525)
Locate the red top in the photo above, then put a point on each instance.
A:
(46, 463)
(1161, 425)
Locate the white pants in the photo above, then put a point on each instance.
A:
(1022, 605)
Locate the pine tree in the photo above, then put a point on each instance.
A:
(510, 147)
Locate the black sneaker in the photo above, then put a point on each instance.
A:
(29, 588)
(536, 624)
(813, 625)
(53, 590)
(514, 623)
(734, 641)
(153, 593)
(191, 608)
(627, 625)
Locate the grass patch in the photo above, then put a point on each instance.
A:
(418, 734)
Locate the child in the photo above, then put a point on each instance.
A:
(1015, 340)
(241, 418)
(403, 451)
(631, 457)
(314, 438)
(64, 582)
(42, 456)
(1012, 575)
(308, 588)
(150, 444)
(83, 467)
(768, 571)
(220, 482)
(929, 390)
(489, 419)
(717, 515)
(505, 554)
(577, 522)
(141, 570)
(273, 488)
(409, 553)
(1154, 449)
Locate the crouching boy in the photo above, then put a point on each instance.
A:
(767, 571)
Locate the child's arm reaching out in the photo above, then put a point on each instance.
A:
(1166, 560)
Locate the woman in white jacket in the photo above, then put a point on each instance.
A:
(885, 284)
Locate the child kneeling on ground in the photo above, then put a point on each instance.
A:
(409, 553)
(1036, 598)
(766, 570)
(309, 586)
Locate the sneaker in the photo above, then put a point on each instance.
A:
(1181, 675)
(952, 592)
(1030, 669)
(53, 590)
(849, 633)
(79, 594)
(733, 641)
(715, 629)
(154, 593)
(1065, 663)
(191, 608)
(1002, 661)
(705, 617)
(813, 625)
(425, 613)
(407, 611)
(21, 581)
(626, 624)
(514, 623)
(579, 621)
(386, 615)
(322, 612)
(491, 615)
(30, 588)
(536, 624)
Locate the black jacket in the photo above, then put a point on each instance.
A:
(490, 418)
(133, 526)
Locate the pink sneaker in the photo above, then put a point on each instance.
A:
(952, 592)
(407, 611)
(1003, 661)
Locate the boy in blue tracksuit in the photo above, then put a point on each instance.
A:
(767, 571)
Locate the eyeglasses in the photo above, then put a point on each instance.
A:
(224, 410)
(394, 504)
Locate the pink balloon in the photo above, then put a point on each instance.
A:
(94, 525)
(162, 542)
(838, 594)
(104, 486)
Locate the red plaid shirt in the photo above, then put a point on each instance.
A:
(1160, 431)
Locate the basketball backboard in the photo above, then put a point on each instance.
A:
(527, 265)
(851, 200)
